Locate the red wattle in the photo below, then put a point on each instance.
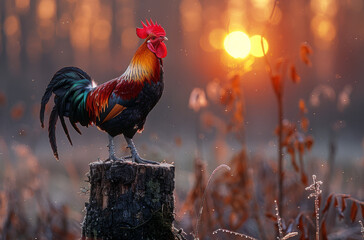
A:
(161, 50)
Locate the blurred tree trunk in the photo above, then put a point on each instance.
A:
(129, 201)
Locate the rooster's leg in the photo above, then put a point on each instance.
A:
(111, 146)
(134, 153)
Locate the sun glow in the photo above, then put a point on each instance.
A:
(237, 44)
(256, 46)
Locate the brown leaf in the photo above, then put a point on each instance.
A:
(271, 217)
(238, 116)
(323, 230)
(343, 204)
(354, 211)
(235, 84)
(294, 75)
(336, 203)
(302, 106)
(309, 142)
(233, 218)
(305, 51)
(301, 225)
(276, 81)
(327, 204)
(304, 124)
(305, 233)
(291, 152)
(228, 199)
(304, 179)
(227, 98)
(301, 147)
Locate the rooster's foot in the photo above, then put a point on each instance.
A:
(111, 147)
(134, 154)
(138, 159)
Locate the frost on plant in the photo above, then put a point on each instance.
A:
(280, 228)
(316, 191)
(361, 228)
(279, 221)
(234, 233)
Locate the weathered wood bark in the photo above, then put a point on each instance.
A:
(129, 201)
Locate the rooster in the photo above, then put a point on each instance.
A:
(119, 106)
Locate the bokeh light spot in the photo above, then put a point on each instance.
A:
(323, 28)
(11, 25)
(190, 15)
(22, 4)
(325, 7)
(256, 46)
(101, 30)
(237, 44)
(216, 38)
(80, 34)
(46, 9)
(326, 30)
(260, 3)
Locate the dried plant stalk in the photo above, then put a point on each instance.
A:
(280, 227)
(222, 166)
(234, 233)
(315, 187)
(361, 228)
(279, 221)
(278, 90)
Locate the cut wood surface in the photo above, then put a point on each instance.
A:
(129, 201)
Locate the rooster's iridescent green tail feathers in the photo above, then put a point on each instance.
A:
(70, 86)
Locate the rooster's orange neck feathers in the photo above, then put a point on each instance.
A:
(144, 66)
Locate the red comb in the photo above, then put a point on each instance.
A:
(150, 28)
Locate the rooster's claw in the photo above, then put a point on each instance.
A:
(138, 159)
(134, 154)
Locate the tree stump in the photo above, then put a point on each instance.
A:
(129, 201)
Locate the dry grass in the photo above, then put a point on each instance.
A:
(241, 201)
(26, 208)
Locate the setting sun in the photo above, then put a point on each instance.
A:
(256, 46)
(237, 44)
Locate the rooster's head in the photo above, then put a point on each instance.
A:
(154, 35)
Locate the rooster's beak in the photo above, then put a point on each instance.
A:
(165, 38)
